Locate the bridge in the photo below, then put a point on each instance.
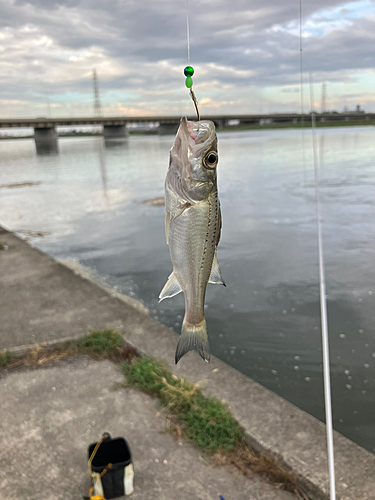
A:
(116, 127)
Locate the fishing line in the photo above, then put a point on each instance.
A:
(188, 31)
(189, 70)
(192, 95)
(323, 313)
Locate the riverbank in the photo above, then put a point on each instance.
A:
(46, 301)
(306, 125)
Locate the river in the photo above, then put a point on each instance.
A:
(87, 202)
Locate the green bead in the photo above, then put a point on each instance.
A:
(189, 82)
(189, 71)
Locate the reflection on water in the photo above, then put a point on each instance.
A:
(115, 143)
(103, 168)
(266, 323)
(46, 148)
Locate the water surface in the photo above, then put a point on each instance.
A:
(85, 202)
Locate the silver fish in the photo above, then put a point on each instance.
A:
(192, 226)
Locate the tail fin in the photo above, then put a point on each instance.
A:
(193, 338)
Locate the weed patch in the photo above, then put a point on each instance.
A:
(6, 358)
(205, 421)
(100, 342)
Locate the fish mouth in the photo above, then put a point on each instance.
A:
(199, 132)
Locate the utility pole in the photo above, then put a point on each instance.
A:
(324, 96)
(97, 106)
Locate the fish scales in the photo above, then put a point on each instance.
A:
(192, 256)
(193, 225)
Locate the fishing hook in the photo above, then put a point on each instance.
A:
(192, 95)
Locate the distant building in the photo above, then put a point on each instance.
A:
(357, 111)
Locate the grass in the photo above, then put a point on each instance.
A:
(2, 246)
(6, 358)
(205, 421)
(101, 342)
(98, 344)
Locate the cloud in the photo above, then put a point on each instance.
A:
(244, 54)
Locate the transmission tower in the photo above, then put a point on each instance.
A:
(324, 95)
(97, 106)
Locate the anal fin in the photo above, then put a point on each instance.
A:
(171, 288)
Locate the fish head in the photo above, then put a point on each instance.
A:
(194, 158)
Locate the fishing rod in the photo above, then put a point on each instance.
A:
(323, 311)
(322, 281)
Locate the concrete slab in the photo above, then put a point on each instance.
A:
(50, 415)
(44, 300)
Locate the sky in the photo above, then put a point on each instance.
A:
(246, 56)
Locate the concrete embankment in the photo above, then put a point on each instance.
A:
(42, 300)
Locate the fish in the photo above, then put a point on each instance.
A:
(192, 228)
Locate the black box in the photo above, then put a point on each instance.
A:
(118, 479)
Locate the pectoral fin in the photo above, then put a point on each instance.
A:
(215, 276)
(180, 210)
(171, 288)
(173, 215)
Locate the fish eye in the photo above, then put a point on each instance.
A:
(211, 160)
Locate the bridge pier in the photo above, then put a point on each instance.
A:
(115, 131)
(221, 123)
(45, 140)
(168, 128)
